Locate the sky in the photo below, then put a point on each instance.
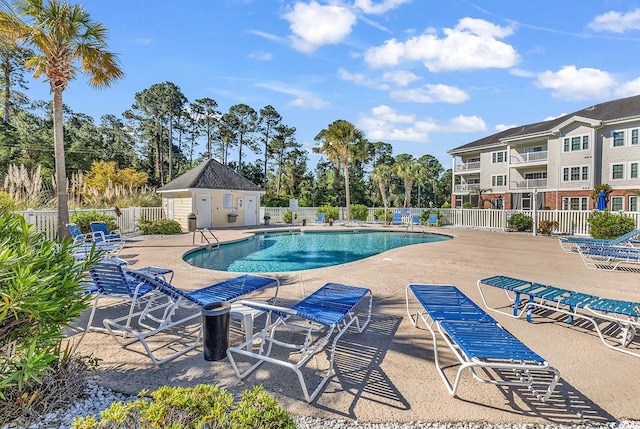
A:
(425, 76)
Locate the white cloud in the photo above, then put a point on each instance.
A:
(361, 79)
(628, 89)
(577, 84)
(385, 124)
(400, 77)
(503, 127)
(367, 6)
(314, 25)
(431, 94)
(473, 44)
(617, 22)
(303, 98)
(261, 55)
(521, 73)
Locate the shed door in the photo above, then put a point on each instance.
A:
(170, 207)
(250, 210)
(203, 211)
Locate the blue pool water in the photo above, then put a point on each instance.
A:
(295, 251)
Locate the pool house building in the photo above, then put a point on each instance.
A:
(556, 163)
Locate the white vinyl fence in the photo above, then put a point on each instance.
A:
(573, 222)
(47, 220)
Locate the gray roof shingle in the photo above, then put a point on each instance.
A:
(608, 111)
(211, 175)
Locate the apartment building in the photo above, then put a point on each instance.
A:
(555, 164)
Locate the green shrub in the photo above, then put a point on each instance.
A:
(6, 202)
(380, 214)
(609, 225)
(520, 222)
(193, 407)
(330, 212)
(160, 226)
(40, 293)
(287, 216)
(446, 205)
(359, 211)
(84, 219)
(467, 205)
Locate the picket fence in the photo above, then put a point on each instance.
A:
(572, 222)
(47, 220)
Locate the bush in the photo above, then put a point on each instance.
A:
(6, 202)
(609, 225)
(287, 216)
(520, 222)
(467, 205)
(193, 407)
(41, 286)
(84, 219)
(446, 205)
(380, 214)
(330, 212)
(359, 211)
(546, 227)
(160, 226)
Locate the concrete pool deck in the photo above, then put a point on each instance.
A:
(387, 372)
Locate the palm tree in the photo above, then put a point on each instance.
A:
(342, 142)
(408, 170)
(65, 40)
(381, 174)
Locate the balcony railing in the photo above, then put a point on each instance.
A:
(523, 158)
(468, 166)
(466, 188)
(529, 184)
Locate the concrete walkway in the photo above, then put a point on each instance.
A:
(387, 373)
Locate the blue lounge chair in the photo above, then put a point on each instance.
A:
(475, 338)
(320, 220)
(396, 219)
(167, 306)
(609, 257)
(571, 244)
(101, 232)
(85, 243)
(524, 296)
(332, 308)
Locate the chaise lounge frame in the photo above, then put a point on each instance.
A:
(476, 339)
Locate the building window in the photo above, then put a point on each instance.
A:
(500, 180)
(535, 149)
(575, 203)
(538, 175)
(471, 181)
(497, 203)
(497, 157)
(617, 204)
(634, 136)
(573, 174)
(633, 170)
(571, 144)
(617, 171)
(633, 204)
(618, 138)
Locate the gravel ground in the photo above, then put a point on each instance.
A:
(99, 398)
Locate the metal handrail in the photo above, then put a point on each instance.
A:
(203, 237)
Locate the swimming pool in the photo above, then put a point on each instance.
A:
(295, 251)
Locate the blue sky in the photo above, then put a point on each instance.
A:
(423, 75)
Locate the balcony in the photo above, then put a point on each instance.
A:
(466, 188)
(529, 184)
(469, 166)
(529, 157)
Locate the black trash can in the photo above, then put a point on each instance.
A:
(215, 330)
(191, 222)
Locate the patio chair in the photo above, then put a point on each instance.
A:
(168, 306)
(476, 340)
(320, 220)
(571, 244)
(331, 309)
(609, 257)
(524, 296)
(101, 232)
(414, 221)
(84, 243)
(396, 219)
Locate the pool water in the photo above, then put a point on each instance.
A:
(296, 251)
